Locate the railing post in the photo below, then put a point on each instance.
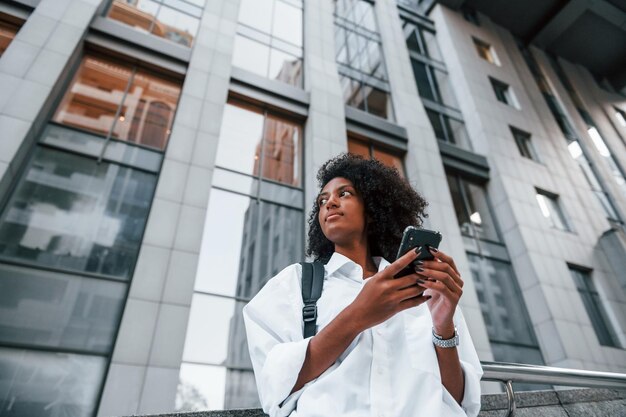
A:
(511, 397)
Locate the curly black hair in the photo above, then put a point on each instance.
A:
(391, 204)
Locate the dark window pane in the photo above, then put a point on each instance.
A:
(49, 384)
(352, 93)
(412, 41)
(378, 102)
(432, 47)
(595, 308)
(70, 212)
(232, 228)
(424, 85)
(435, 121)
(495, 280)
(480, 214)
(58, 310)
(459, 206)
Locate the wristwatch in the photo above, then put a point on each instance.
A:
(446, 343)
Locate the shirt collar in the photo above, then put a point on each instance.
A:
(343, 264)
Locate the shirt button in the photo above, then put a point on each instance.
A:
(379, 331)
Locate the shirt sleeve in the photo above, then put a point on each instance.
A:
(472, 370)
(274, 328)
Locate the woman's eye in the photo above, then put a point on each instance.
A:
(321, 201)
(344, 192)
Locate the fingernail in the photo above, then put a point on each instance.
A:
(417, 250)
(434, 249)
(419, 262)
(420, 281)
(419, 269)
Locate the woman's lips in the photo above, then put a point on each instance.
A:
(333, 216)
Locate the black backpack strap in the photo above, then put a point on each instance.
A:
(312, 283)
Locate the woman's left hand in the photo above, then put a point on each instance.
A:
(444, 284)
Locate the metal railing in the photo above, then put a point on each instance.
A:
(508, 373)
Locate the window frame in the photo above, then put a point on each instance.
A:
(553, 206)
(486, 51)
(524, 144)
(591, 298)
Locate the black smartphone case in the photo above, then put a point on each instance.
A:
(414, 237)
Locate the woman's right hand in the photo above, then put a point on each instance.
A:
(383, 296)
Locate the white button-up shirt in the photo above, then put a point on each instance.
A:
(388, 370)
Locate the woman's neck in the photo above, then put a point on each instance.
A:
(360, 254)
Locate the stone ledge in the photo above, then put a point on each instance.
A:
(564, 403)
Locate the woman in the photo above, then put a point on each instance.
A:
(374, 353)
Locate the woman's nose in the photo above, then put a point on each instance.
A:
(332, 201)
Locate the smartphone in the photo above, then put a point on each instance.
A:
(411, 239)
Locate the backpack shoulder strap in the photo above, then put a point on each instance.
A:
(312, 283)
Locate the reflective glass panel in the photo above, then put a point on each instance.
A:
(49, 384)
(221, 340)
(424, 85)
(501, 302)
(245, 243)
(462, 214)
(287, 23)
(239, 146)
(285, 67)
(551, 210)
(457, 132)
(95, 94)
(251, 55)
(58, 310)
(378, 102)
(7, 33)
(72, 213)
(205, 387)
(480, 214)
(281, 151)
(359, 148)
(595, 309)
(389, 159)
(175, 26)
(444, 88)
(139, 14)
(148, 111)
(270, 143)
(256, 14)
(432, 47)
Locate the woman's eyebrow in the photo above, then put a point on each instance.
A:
(341, 187)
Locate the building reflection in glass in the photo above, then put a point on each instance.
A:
(176, 21)
(9, 26)
(127, 103)
(250, 235)
(70, 213)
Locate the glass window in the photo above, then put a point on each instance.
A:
(58, 310)
(548, 203)
(472, 209)
(237, 256)
(448, 129)
(49, 384)
(110, 98)
(524, 144)
(206, 387)
(69, 212)
(271, 144)
(504, 311)
(503, 93)
(176, 21)
(620, 116)
(594, 306)
(486, 51)
(8, 29)
(362, 72)
(369, 150)
(269, 39)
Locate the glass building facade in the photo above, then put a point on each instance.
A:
(162, 168)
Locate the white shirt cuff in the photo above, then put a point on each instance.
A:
(471, 394)
(279, 375)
